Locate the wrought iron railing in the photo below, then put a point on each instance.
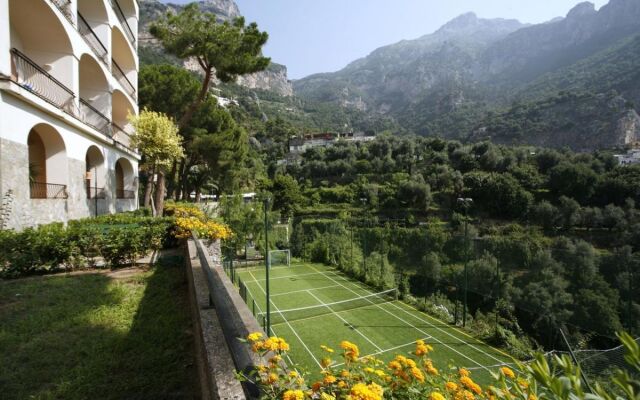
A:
(95, 193)
(125, 194)
(91, 116)
(65, 8)
(92, 40)
(40, 190)
(123, 21)
(35, 79)
(123, 80)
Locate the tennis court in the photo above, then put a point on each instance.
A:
(312, 305)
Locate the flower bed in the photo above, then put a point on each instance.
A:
(416, 377)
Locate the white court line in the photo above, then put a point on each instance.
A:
(416, 328)
(291, 363)
(377, 353)
(287, 276)
(345, 321)
(304, 290)
(288, 324)
(416, 317)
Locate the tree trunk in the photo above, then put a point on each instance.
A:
(198, 196)
(159, 197)
(171, 186)
(186, 118)
(148, 188)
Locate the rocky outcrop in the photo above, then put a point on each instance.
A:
(274, 79)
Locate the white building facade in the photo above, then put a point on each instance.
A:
(68, 82)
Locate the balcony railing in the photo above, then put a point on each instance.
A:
(35, 79)
(123, 80)
(125, 194)
(40, 190)
(95, 193)
(65, 8)
(91, 116)
(92, 40)
(123, 21)
(120, 135)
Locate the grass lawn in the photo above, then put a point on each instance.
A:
(320, 305)
(118, 335)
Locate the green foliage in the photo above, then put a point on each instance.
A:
(119, 239)
(167, 89)
(156, 136)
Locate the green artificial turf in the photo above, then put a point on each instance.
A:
(98, 336)
(379, 324)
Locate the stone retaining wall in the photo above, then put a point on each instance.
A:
(220, 318)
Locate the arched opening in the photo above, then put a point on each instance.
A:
(48, 169)
(125, 179)
(42, 54)
(121, 109)
(95, 97)
(95, 173)
(93, 25)
(123, 65)
(127, 13)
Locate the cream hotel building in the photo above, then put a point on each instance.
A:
(68, 81)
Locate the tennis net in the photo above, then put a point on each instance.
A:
(295, 314)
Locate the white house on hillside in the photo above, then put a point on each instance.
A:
(68, 81)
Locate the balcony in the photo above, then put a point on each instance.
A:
(40, 190)
(125, 194)
(90, 116)
(94, 193)
(35, 79)
(92, 40)
(121, 136)
(123, 80)
(65, 8)
(123, 21)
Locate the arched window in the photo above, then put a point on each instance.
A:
(125, 185)
(95, 173)
(48, 171)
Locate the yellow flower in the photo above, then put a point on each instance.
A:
(342, 384)
(344, 373)
(293, 374)
(327, 396)
(325, 362)
(464, 372)
(369, 370)
(436, 396)
(254, 337)
(507, 372)
(451, 386)
(360, 391)
(351, 351)
(470, 384)
(272, 378)
(275, 344)
(395, 365)
(417, 374)
(422, 348)
(380, 373)
(532, 397)
(327, 349)
(329, 379)
(293, 395)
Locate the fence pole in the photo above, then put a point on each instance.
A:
(575, 360)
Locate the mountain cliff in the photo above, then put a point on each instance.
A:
(458, 81)
(273, 79)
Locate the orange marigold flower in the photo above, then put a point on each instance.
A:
(507, 372)
(436, 396)
(316, 386)
(470, 384)
(417, 374)
(464, 372)
(351, 351)
(329, 379)
(451, 386)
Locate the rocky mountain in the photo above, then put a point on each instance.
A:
(273, 79)
(455, 81)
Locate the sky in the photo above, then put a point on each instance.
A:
(311, 36)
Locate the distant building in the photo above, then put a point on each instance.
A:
(299, 145)
(68, 81)
(632, 157)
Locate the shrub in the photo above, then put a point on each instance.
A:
(416, 377)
